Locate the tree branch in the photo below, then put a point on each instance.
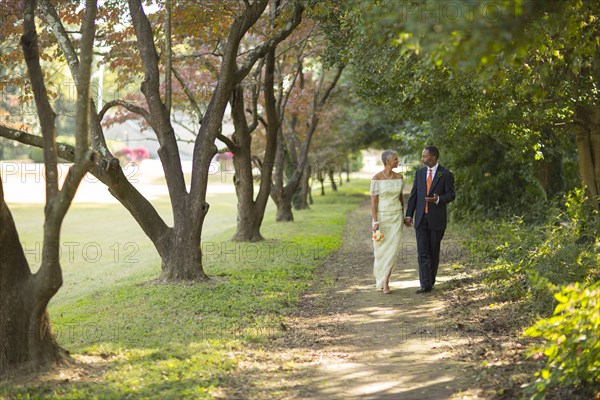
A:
(62, 37)
(65, 151)
(46, 115)
(261, 50)
(148, 54)
(331, 86)
(257, 78)
(84, 157)
(161, 123)
(143, 212)
(194, 56)
(189, 95)
(291, 46)
(169, 58)
(205, 148)
(130, 107)
(286, 95)
(82, 106)
(263, 122)
(228, 142)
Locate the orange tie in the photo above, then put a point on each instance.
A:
(429, 179)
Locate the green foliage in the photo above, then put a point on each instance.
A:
(531, 261)
(533, 266)
(571, 342)
(356, 162)
(497, 93)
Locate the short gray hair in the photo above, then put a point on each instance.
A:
(386, 155)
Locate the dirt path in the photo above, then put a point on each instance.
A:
(350, 341)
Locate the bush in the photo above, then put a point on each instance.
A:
(571, 342)
(533, 261)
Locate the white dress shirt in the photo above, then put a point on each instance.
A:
(433, 171)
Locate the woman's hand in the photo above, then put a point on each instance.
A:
(375, 226)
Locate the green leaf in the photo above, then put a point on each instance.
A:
(545, 374)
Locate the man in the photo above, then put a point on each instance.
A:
(432, 189)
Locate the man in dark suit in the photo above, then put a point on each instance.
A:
(432, 189)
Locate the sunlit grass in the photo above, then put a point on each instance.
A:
(177, 341)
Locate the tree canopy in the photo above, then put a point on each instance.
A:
(504, 87)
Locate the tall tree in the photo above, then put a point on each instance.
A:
(296, 141)
(178, 245)
(500, 81)
(25, 332)
(250, 210)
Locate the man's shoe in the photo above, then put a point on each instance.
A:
(423, 290)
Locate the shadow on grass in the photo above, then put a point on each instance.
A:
(159, 376)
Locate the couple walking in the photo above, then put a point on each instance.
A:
(432, 189)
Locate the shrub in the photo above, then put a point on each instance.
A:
(533, 261)
(571, 343)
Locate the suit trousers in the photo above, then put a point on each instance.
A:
(428, 247)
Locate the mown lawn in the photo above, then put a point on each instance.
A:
(175, 341)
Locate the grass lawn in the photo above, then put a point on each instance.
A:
(175, 341)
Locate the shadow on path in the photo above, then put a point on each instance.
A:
(350, 341)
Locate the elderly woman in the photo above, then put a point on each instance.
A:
(387, 209)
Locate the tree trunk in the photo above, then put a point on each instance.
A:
(330, 173)
(347, 170)
(284, 210)
(551, 166)
(26, 337)
(304, 188)
(250, 211)
(588, 147)
(301, 159)
(321, 179)
(249, 219)
(248, 225)
(279, 193)
(182, 256)
(180, 246)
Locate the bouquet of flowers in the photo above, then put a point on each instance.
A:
(377, 236)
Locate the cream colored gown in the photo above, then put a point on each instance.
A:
(391, 220)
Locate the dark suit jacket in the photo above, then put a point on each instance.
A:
(442, 185)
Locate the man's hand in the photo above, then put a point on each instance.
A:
(432, 199)
(408, 222)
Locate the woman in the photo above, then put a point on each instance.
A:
(387, 209)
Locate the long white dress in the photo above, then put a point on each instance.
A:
(391, 217)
